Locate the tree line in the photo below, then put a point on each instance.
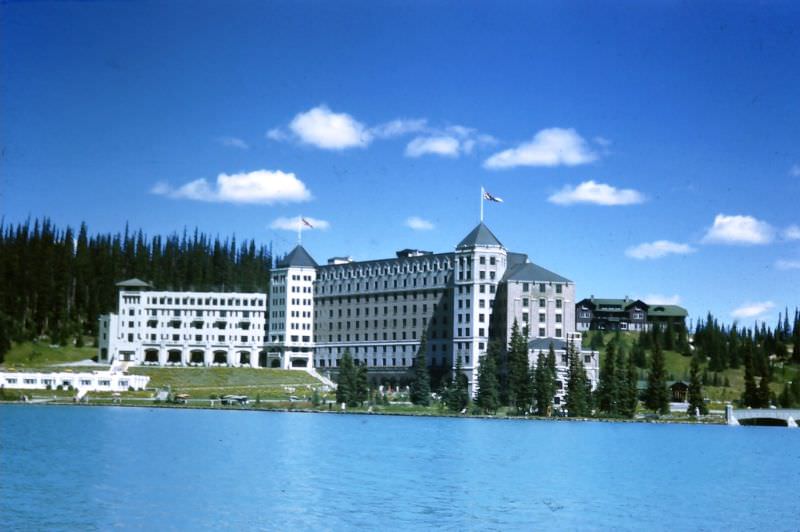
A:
(55, 282)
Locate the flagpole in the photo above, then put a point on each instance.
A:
(481, 204)
(300, 231)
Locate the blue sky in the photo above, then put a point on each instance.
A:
(643, 150)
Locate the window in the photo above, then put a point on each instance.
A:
(541, 332)
(558, 288)
(542, 317)
(541, 288)
(558, 303)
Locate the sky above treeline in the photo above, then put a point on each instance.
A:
(649, 150)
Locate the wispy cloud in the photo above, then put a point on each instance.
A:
(451, 141)
(549, 147)
(596, 193)
(296, 223)
(660, 299)
(738, 229)
(399, 127)
(418, 224)
(794, 171)
(752, 310)
(260, 186)
(787, 264)
(233, 142)
(446, 146)
(792, 232)
(658, 249)
(277, 134)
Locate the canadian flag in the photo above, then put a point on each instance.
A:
(306, 223)
(489, 197)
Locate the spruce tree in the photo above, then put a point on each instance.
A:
(488, 398)
(607, 392)
(696, 402)
(577, 400)
(361, 386)
(630, 398)
(519, 379)
(345, 383)
(750, 396)
(657, 395)
(420, 388)
(545, 382)
(763, 392)
(457, 396)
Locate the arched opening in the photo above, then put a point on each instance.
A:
(220, 357)
(262, 359)
(151, 356)
(197, 357)
(173, 356)
(244, 358)
(764, 422)
(298, 363)
(275, 363)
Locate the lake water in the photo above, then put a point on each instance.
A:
(101, 468)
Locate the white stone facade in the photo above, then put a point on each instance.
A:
(96, 381)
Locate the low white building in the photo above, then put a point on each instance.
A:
(95, 381)
(167, 328)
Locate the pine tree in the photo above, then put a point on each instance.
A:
(420, 388)
(657, 395)
(577, 399)
(361, 386)
(630, 398)
(750, 396)
(786, 398)
(639, 355)
(763, 392)
(696, 402)
(607, 392)
(545, 382)
(345, 383)
(457, 396)
(519, 379)
(488, 398)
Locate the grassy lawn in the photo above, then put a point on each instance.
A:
(40, 354)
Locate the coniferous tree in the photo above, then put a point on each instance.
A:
(488, 398)
(457, 396)
(630, 397)
(639, 354)
(361, 386)
(420, 388)
(763, 392)
(786, 399)
(345, 383)
(608, 393)
(696, 402)
(519, 379)
(657, 395)
(750, 396)
(577, 399)
(545, 381)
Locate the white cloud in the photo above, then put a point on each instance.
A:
(418, 224)
(658, 249)
(739, 230)
(296, 223)
(233, 142)
(660, 299)
(602, 141)
(260, 186)
(278, 134)
(399, 127)
(792, 232)
(795, 170)
(783, 264)
(446, 146)
(597, 193)
(325, 129)
(549, 147)
(751, 310)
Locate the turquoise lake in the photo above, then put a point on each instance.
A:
(95, 468)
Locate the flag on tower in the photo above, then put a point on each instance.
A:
(306, 223)
(489, 197)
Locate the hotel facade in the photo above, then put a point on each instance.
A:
(378, 310)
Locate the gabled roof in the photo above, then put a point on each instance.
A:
(667, 311)
(607, 303)
(298, 257)
(134, 283)
(480, 236)
(533, 273)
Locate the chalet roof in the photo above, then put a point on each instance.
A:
(134, 283)
(298, 257)
(607, 303)
(667, 311)
(534, 273)
(480, 236)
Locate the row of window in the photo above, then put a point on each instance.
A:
(199, 301)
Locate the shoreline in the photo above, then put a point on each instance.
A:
(719, 421)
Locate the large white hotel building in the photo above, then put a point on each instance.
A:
(378, 310)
